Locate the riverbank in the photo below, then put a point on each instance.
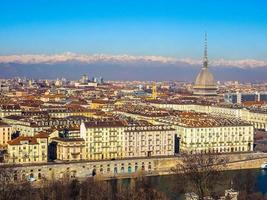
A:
(128, 168)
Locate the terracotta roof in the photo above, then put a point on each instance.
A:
(31, 140)
(18, 140)
(69, 139)
(15, 117)
(198, 120)
(251, 103)
(113, 123)
(2, 124)
(10, 107)
(42, 134)
(100, 101)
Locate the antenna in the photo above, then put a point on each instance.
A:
(205, 60)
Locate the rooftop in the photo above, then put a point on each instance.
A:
(198, 120)
(107, 123)
(69, 139)
(2, 124)
(30, 140)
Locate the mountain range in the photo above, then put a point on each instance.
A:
(127, 67)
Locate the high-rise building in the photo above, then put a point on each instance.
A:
(84, 79)
(245, 97)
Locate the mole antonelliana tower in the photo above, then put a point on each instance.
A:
(205, 84)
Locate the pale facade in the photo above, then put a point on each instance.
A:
(216, 139)
(147, 141)
(28, 149)
(257, 119)
(31, 126)
(103, 140)
(115, 140)
(7, 110)
(68, 113)
(202, 133)
(5, 134)
(70, 149)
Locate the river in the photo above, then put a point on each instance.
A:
(167, 184)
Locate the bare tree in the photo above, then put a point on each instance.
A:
(140, 188)
(10, 187)
(66, 188)
(200, 173)
(7, 185)
(94, 189)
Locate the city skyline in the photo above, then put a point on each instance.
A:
(133, 99)
(126, 40)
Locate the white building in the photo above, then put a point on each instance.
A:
(256, 117)
(201, 133)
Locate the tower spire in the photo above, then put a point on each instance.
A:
(205, 59)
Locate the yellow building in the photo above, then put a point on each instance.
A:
(98, 103)
(117, 140)
(9, 109)
(103, 139)
(5, 134)
(25, 149)
(70, 149)
(148, 141)
(62, 113)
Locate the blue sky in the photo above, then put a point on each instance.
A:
(237, 29)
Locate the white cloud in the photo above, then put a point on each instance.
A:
(65, 57)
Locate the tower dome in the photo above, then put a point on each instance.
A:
(205, 84)
(205, 78)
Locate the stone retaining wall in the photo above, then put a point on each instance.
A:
(125, 168)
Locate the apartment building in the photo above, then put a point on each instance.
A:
(202, 133)
(256, 117)
(9, 109)
(103, 139)
(69, 149)
(5, 134)
(27, 149)
(147, 141)
(117, 139)
(30, 126)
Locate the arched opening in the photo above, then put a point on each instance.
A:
(249, 144)
(115, 170)
(94, 172)
(39, 175)
(122, 169)
(129, 169)
(73, 174)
